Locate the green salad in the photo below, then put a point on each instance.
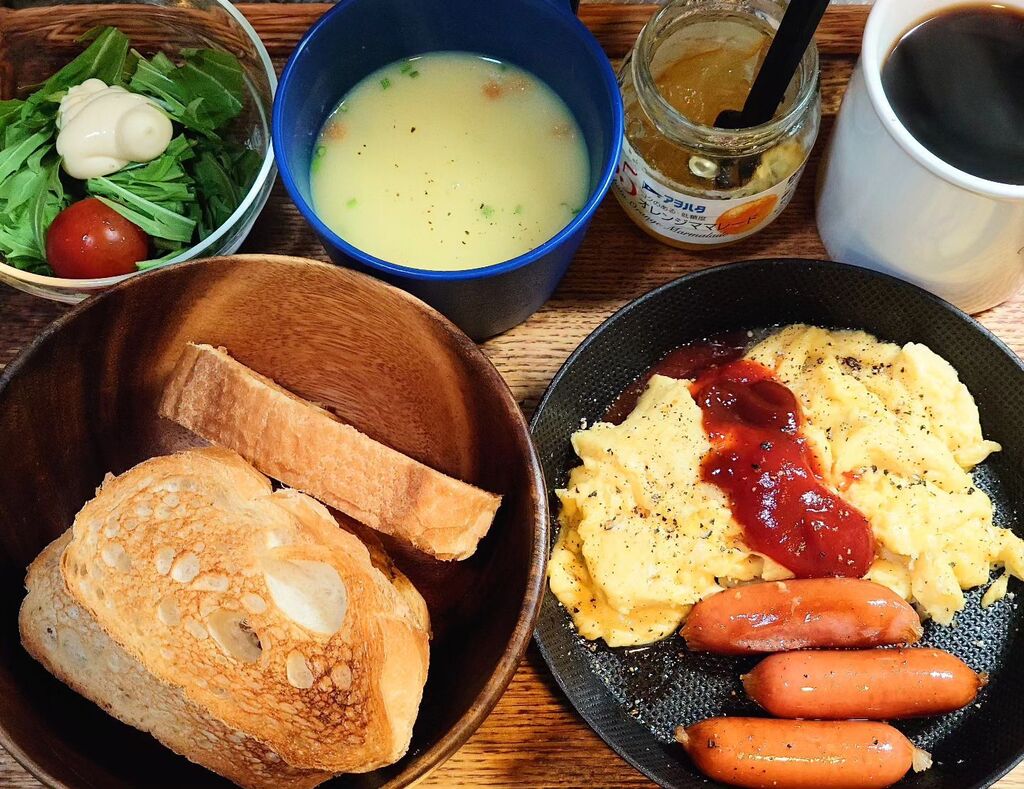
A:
(51, 222)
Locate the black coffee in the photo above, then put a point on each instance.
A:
(956, 82)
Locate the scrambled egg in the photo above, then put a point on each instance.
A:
(643, 537)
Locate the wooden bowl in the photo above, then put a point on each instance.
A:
(81, 401)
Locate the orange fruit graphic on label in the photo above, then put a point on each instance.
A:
(742, 218)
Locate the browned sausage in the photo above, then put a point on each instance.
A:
(801, 614)
(763, 753)
(876, 683)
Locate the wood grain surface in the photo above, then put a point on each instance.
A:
(534, 738)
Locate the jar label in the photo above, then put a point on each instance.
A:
(692, 218)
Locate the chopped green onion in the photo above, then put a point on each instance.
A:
(318, 152)
(352, 203)
(414, 74)
(385, 83)
(487, 211)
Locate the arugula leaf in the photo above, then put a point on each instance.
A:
(27, 125)
(202, 94)
(22, 186)
(217, 78)
(15, 156)
(165, 170)
(143, 265)
(131, 62)
(29, 202)
(153, 78)
(222, 176)
(153, 218)
(48, 202)
(162, 180)
(103, 59)
(10, 111)
(221, 195)
(18, 243)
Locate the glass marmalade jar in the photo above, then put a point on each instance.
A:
(683, 180)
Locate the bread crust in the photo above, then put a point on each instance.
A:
(256, 606)
(308, 448)
(69, 643)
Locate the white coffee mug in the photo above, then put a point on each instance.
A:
(888, 203)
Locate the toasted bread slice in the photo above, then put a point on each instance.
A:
(380, 559)
(69, 643)
(308, 448)
(256, 605)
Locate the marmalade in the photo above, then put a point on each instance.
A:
(681, 179)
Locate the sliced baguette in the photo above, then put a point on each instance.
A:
(309, 449)
(254, 604)
(69, 643)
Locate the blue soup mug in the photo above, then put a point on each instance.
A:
(357, 37)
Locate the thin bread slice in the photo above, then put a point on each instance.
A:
(265, 613)
(309, 449)
(69, 643)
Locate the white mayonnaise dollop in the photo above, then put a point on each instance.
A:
(103, 127)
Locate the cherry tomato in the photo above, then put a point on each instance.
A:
(88, 239)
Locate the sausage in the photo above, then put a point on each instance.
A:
(801, 614)
(878, 683)
(763, 753)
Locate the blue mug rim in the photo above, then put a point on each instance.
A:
(611, 84)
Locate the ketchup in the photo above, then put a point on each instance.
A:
(686, 362)
(761, 461)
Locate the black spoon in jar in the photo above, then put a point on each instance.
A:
(780, 64)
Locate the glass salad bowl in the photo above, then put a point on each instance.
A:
(41, 36)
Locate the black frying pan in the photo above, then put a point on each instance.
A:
(634, 698)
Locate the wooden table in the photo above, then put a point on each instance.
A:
(533, 737)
